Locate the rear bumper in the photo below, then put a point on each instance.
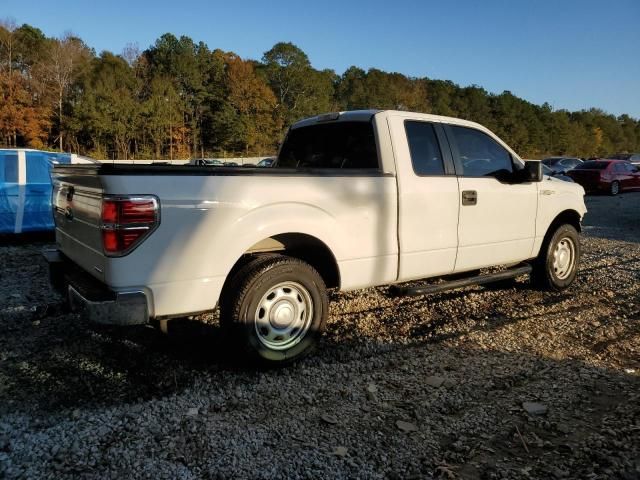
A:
(94, 300)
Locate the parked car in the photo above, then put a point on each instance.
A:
(267, 162)
(230, 164)
(356, 199)
(552, 173)
(604, 175)
(630, 157)
(206, 162)
(561, 164)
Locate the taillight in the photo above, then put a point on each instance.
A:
(127, 221)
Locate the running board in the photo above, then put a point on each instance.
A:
(426, 289)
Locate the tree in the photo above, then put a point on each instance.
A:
(7, 43)
(300, 90)
(66, 56)
(19, 117)
(256, 125)
(180, 98)
(109, 110)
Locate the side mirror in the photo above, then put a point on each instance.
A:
(532, 171)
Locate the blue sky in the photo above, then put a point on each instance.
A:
(572, 54)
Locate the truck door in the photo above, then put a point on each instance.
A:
(497, 213)
(427, 198)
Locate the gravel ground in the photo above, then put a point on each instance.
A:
(481, 383)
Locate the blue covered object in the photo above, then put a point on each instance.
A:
(25, 189)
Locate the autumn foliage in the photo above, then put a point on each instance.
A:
(178, 98)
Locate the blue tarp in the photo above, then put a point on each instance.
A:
(25, 189)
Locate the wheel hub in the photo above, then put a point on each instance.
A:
(563, 258)
(284, 315)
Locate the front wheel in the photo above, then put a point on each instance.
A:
(276, 309)
(557, 264)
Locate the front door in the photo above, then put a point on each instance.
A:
(497, 214)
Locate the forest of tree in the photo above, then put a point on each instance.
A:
(179, 98)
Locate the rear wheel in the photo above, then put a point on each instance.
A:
(275, 308)
(557, 264)
(614, 188)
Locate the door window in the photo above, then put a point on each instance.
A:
(426, 156)
(481, 155)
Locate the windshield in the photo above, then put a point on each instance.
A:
(330, 145)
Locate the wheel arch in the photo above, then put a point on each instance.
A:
(302, 246)
(570, 217)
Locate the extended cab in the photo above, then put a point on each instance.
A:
(354, 199)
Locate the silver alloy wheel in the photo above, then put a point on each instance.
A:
(284, 315)
(564, 258)
(615, 188)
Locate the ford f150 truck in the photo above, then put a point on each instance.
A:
(354, 199)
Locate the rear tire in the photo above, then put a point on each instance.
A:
(275, 309)
(614, 188)
(557, 264)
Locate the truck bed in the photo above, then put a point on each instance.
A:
(158, 169)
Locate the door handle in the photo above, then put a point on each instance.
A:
(469, 197)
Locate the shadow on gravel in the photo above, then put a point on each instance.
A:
(471, 420)
(51, 360)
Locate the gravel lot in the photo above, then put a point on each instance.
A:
(481, 383)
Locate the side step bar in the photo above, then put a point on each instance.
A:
(425, 288)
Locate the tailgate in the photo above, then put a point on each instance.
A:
(77, 205)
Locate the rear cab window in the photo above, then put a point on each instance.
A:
(336, 145)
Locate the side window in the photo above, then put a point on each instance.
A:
(9, 167)
(619, 168)
(480, 154)
(426, 157)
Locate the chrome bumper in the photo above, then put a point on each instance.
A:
(91, 298)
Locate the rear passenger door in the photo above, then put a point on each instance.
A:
(427, 196)
(497, 214)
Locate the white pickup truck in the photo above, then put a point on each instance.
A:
(355, 199)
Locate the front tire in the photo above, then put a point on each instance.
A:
(557, 264)
(275, 309)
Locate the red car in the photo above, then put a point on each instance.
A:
(610, 176)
